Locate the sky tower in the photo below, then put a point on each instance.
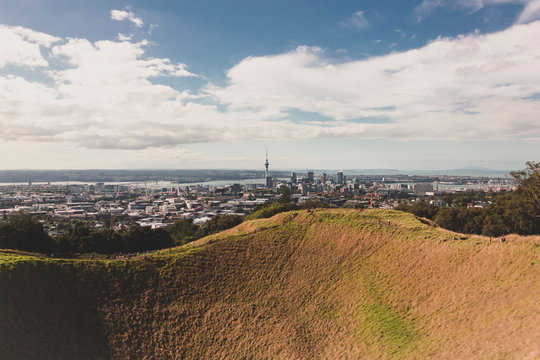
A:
(267, 175)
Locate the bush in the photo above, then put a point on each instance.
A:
(271, 209)
(22, 232)
(183, 231)
(316, 204)
(219, 223)
(421, 209)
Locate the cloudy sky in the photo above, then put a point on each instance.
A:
(432, 84)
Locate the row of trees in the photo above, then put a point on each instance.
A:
(283, 204)
(185, 230)
(508, 212)
(22, 232)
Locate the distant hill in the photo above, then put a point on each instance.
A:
(473, 172)
(327, 284)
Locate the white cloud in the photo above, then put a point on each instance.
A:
(358, 19)
(102, 97)
(530, 13)
(468, 88)
(21, 46)
(531, 10)
(151, 28)
(108, 95)
(123, 37)
(121, 15)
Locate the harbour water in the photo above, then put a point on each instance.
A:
(143, 184)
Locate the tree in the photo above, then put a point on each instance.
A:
(239, 210)
(183, 231)
(285, 196)
(316, 204)
(421, 208)
(529, 186)
(270, 209)
(218, 223)
(510, 213)
(447, 218)
(143, 238)
(22, 232)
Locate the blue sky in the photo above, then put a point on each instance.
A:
(429, 84)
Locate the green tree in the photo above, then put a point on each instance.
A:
(239, 210)
(270, 209)
(529, 187)
(448, 218)
(22, 232)
(143, 238)
(285, 196)
(316, 204)
(183, 231)
(420, 208)
(218, 223)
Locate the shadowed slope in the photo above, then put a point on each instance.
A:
(325, 284)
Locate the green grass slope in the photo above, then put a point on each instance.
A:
(328, 284)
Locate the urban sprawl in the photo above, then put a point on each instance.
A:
(120, 206)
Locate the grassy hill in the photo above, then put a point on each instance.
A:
(327, 284)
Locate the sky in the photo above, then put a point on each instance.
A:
(393, 84)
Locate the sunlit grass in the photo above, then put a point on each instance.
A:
(321, 284)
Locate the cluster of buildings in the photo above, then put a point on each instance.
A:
(121, 205)
(97, 204)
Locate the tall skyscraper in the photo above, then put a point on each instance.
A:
(310, 176)
(323, 178)
(267, 175)
(293, 177)
(340, 178)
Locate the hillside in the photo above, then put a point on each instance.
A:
(326, 284)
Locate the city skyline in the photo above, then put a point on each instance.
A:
(407, 85)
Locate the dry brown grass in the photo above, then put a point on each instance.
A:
(332, 284)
